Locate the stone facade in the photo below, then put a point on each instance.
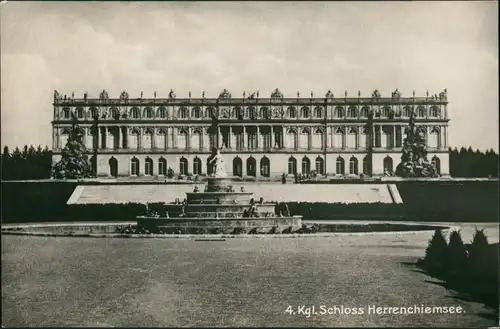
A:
(259, 136)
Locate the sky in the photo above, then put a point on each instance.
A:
(249, 46)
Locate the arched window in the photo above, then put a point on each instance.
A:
(406, 112)
(148, 167)
(210, 112)
(352, 112)
(251, 164)
(183, 166)
(162, 167)
(318, 112)
(366, 166)
(338, 138)
(265, 167)
(318, 140)
(292, 139)
(292, 166)
(197, 166)
(64, 137)
(434, 112)
(364, 112)
(421, 112)
(238, 113)
(79, 113)
(252, 112)
(196, 143)
(386, 110)
(183, 112)
(434, 140)
(196, 113)
(237, 167)
(161, 139)
(339, 112)
(134, 113)
(320, 166)
(113, 167)
(306, 165)
(292, 112)
(148, 112)
(147, 139)
(353, 166)
(436, 163)
(388, 165)
(182, 139)
(66, 113)
(93, 112)
(265, 113)
(304, 112)
(134, 167)
(162, 113)
(115, 113)
(340, 166)
(352, 138)
(304, 139)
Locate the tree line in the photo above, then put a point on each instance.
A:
(36, 163)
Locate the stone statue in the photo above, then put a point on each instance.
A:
(217, 163)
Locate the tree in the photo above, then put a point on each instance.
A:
(436, 252)
(74, 161)
(457, 254)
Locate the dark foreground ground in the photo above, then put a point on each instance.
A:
(239, 282)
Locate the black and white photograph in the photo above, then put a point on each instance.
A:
(249, 164)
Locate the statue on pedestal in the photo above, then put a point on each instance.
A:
(216, 161)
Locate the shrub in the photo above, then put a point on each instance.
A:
(478, 262)
(457, 254)
(436, 252)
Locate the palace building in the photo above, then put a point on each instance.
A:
(259, 136)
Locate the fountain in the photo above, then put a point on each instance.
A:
(221, 209)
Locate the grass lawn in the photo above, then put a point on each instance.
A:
(237, 282)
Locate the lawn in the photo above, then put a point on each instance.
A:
(238, 282)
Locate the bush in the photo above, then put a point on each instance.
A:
(457, 254)
(436, 252)
(479, 260)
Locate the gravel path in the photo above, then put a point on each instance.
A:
(240, 282)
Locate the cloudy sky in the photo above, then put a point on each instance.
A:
(87, 47)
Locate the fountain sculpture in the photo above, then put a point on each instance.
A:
(220, 208)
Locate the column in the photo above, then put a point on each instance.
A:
(218, 139)
(174, 141)
(445, 136)
(56, 138)
(393, 132)
(119, 137)
(245, 138)
(231, 138)
(344, 136)
(358, 135)
(140, 138)
(188, 139)
(105, 140)
(379, 135)
(259, 138)
(153, 142)
(273, 139)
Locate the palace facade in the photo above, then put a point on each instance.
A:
(260, 137)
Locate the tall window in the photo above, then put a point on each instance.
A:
(353, 166)
(148, 167)
(79, 113)
(182, 139)
(436, 163)
(162, 113)
(338, 138)
(352, 112)
(265, 113)
(304, 139)
(339, 164)
(63, 138)
(196, 113)
(339, 112)
(148, 139)
(434, 112)
(183, 166)
(388, 164)
(134, 167)
(399, 136)
(406, 112)
(378, 137)
(66, 113)
(292, 166)
(265, 167)
(318, 140)
(366, 166)
(196, 140)
(237, 167)
(252, 113)
(161, 139)
(252, 140)
(240, 141)
(364, 112)
(115, 113)
(318, 112)
(162, 167)
(292, 139)
(183, 113)
(197, 166)
(134, 113)
(148, 113)
(320, 166)
(304, 112)
(352, 138)
(434, 138)
(292, 112)
(266, 140)
(306, 165)
(421, 111)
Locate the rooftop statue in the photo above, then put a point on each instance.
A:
(396, 94)
(376, 94)
(124, 95)
(216, 161)
(329, 94)
(104, 95)
(276, 94)
(171, 94)
(225, 94)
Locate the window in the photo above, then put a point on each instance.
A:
(306, 165)
(162, 167)
(252, 113)
(161, 139)
(183, 166)
(353, 166)
(434, 112)
(318, 112)
(265, 167)
(183, 113)
(66, 113)
(304, 112)
(237, 167)
(366, 166)
(79, 113)
(292, 139)
(436, 163)
(304, 141)
(148, 139)
(113, 167)
(240, 141)
(148, 167)
(252, 140)
(292, 112)
(340, 166)
(292, 166)
(134, 167)
(182, 139)
(320, 167)
(399, 136)
(266, 140)
(378, 137)
(339, 112)
(196, 113)
(406, 112)
(196, 166)
(115, 114)
(251, 164)
(196, 143)
(421, 111)
(352, 112)
(265, 113)
(388, 164)
(318, 139)
(134, 113)
(148, 113)
(162, 113)
(364, 112)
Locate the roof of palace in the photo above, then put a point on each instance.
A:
(276, 96)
